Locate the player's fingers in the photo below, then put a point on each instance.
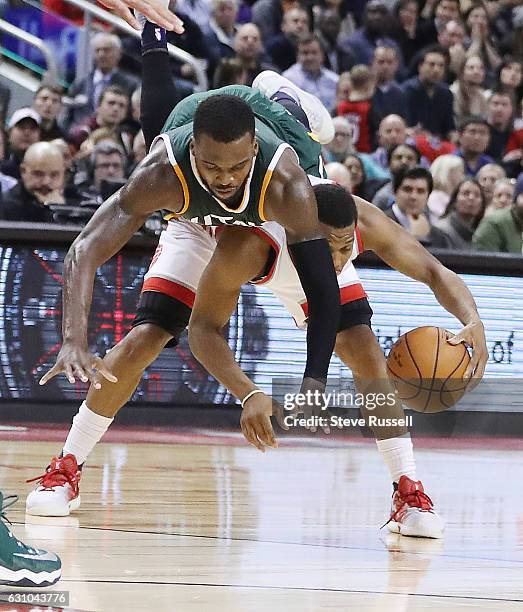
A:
(268, 433)
(160, 15)
(248, 432)
(56, 369)
(100, 366)
(80, 373)
(68, 371)
(122, 11)
(455, 340)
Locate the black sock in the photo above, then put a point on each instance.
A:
(395, 486)
(154, 38)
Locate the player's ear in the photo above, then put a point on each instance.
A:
(256, 146)
(191, 145)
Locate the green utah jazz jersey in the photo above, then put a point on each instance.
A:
(276, 131)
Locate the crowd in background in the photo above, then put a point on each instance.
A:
(426, 98)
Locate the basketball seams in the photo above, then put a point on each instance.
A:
(434, 370)
(442, 390)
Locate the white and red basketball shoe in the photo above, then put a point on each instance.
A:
(413, 512)
(57, 492)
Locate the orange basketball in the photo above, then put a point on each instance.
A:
(426, 370)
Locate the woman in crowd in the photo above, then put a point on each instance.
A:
(361, 185)
(463, 214)
(481, 40)
(447, 171)
(469, 96)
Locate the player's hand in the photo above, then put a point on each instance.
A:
(314, 391)
(473, 335)
(77, 362)
(256, 423)
(154, 10)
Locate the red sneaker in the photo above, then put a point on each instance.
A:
(413, 512)
(57, 492)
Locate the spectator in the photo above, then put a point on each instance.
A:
(361, 185)
(412, 188)
(401, 157)
(362, 43)
(487, 177)
(481, 43)
(249, 51)
(407, 28)
(107, 50)
(23, 130)
(48, 104)
(474, 136)
(358, 108)
(310, 74)
(503, 196)
(392, 131)
(107, 162)
(451, 38)
(230, 72)
(463, 214)
(281, 48)
(341, 145)
(469, 96)
(447, 171)
(437, 15)
(110, 114)
(429, 100)
(342, 90)
(70, 193)
(389, 97)
(500, 118)
(268, 15)
(502, 231)
(6, 182)
(339, 174)
(42, 183)
(509, 77)
(222, 27)
(328, 31)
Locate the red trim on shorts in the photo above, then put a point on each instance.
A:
(359, 240)
(270, 240)
(348, 294)
(161, 285)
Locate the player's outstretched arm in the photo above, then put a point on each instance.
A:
(151, 187)
(291, 203)
(238, 258)
(404, 253)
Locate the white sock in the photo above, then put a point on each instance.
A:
(399, 457)
(87, 429)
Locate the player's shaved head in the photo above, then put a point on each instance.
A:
(223, 118)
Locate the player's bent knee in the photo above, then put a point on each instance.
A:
(147, 339)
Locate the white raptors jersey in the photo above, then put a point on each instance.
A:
(284, 282)
(186, 248)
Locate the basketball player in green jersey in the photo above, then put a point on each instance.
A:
(223, 158)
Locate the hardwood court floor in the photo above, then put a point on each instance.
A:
(217, 526)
